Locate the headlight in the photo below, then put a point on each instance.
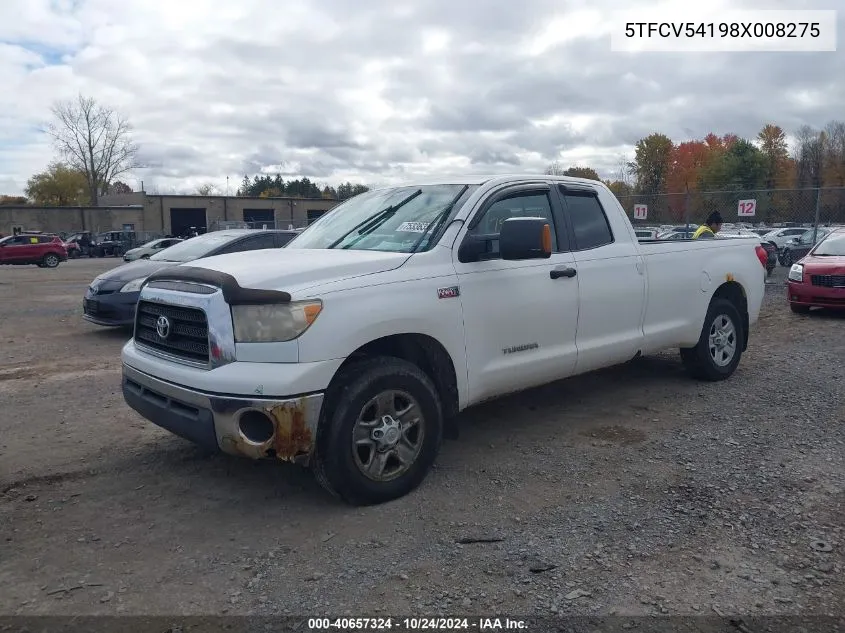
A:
(796, 273)
(274, 322)
(134, 285)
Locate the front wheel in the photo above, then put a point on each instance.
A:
(786, 258)
(380, 432)
(719, 348)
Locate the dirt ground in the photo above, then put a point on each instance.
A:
(631, 491)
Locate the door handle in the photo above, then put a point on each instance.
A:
(565, 271)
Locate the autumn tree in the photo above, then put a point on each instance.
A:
(59, 185)
(775, 150)
(650, 167)
(742, 167)
(687, 161)
(94, 140)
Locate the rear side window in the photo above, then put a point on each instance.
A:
(251, 243)
(590, 227)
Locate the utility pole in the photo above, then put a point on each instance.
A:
(818, 209)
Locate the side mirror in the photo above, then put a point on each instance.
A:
(525, 238)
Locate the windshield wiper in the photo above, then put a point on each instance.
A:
(438, 219)
(373, 222)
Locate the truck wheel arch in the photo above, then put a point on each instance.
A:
(735, 293)
(425, 352)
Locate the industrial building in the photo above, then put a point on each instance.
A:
(165, 214)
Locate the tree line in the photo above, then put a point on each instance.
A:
(728, 163)
(266, 186)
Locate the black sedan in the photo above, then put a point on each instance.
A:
(796, 248)
(111, 298)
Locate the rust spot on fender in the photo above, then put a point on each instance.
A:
(292, 438)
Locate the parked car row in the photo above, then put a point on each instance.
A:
(111, 298)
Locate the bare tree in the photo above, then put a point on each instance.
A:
(810, 154)
(835, 154)
(93, 139)
(206, 189)
(555, 169)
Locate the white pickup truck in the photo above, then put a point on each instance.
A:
(353, 349)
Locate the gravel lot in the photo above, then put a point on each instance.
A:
(630, 491)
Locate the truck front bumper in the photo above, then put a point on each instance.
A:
(253, 427)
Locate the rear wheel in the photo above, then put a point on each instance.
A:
(380, 433)
(797, 308)
(50, 260)
(719, 348)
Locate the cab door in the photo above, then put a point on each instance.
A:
(520, 317)
(611, 274)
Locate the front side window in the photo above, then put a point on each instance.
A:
(396, 219)
(518, 205)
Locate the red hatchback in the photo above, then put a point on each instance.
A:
(46, 251)
(818, 280)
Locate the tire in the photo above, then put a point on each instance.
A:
(797, 308)
(339, 464)
(786, 258)
(50, 260)
(147, 256)
(699, 361)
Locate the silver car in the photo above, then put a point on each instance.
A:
(150, 248)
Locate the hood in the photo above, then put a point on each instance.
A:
(299, 268)
(134, 250)
(132, 270)
(825, 265)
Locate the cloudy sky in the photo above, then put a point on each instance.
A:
(376, 92)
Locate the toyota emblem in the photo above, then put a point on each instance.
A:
(163, 326)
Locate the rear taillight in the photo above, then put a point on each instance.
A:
(762, 255)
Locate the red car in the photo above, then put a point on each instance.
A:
(46, 251)
(818, 280)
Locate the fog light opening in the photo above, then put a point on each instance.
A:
(255, 426)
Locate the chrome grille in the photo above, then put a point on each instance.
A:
(187, 337)
(828, 281)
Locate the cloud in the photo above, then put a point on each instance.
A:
(380, 92)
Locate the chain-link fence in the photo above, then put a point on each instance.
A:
(761, 207)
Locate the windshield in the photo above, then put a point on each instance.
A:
(807, 236)
(195, 247)
(832, 246)
(397, 219)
